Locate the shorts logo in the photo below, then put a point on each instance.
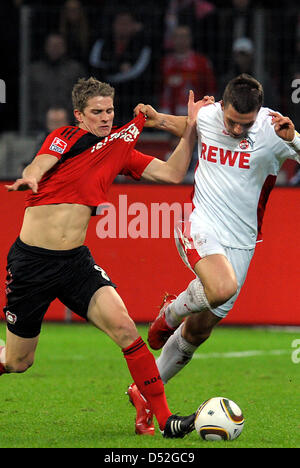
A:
(11, 318)
(103, 273)
(200, 241)
(58, 145)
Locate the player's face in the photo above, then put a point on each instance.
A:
(236, 124)
(97, 117)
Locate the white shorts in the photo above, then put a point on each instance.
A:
(194, 243)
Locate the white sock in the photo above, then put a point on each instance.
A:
(176, 354)
(173, 318)
(190, 301)
(2, 354)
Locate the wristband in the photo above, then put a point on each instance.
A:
(295, 143)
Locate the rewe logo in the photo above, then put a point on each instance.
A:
(225, 157)
(2, 92)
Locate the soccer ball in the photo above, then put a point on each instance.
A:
(219, 419)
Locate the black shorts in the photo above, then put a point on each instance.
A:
(36, 277)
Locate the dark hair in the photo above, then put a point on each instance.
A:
(244, 93)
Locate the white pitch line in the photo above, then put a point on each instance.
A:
(242, 354)
(230, 354)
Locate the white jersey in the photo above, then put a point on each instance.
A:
(234, 177)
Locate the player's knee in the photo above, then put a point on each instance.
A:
(221, 292)
(18, 365)
(125, 332)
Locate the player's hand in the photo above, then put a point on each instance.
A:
(23, 184)
(283, 126)
(194, 107)
(149, 111)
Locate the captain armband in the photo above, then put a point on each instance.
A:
(295, 143)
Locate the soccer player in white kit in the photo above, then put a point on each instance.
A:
(241, 148)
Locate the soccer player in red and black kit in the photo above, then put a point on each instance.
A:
(68, 179)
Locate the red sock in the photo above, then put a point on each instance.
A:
(144, 371)
(2, 369)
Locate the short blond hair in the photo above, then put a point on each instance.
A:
(85, 89)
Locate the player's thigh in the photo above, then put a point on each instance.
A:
(107, 312)
(19, 352)
(240, 259)
(202, 252)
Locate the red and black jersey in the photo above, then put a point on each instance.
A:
(87, 165)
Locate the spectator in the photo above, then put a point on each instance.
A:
(55, 117)
(199, 15)
(149, 12)
(184, 69)
(236, 21)
(242, 18)
(51, 80)
(123, 59)
(243, 55)
(74, 26)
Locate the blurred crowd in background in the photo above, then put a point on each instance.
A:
(150, 51)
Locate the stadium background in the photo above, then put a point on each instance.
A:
(145, 268)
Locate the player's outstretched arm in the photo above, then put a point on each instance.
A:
(33, 173)
(175, 169)
(283, 126)
(170, 123)
(285, 129)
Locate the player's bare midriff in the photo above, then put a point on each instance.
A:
(55, 227)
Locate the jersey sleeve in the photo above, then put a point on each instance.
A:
(295, 148)
(56, 143)
(284, 151)
(136, 164)
(280, 148)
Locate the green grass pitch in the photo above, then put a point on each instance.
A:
(74, 395)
